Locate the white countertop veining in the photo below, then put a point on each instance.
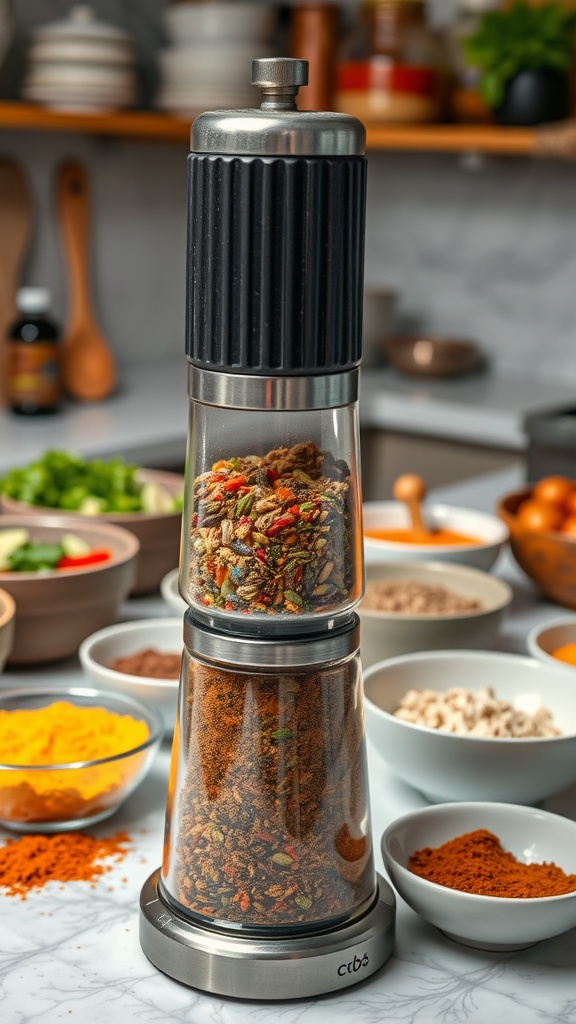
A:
(146, 420)
(72, 953)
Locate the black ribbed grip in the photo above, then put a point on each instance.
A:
(275, 263)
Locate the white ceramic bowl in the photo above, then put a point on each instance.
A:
(485, 922)
(171, 594)
(385, 634)
(544, 639)
(210, 63)
(445, 766)
(187, 23)
(100, 649)
(491, 532)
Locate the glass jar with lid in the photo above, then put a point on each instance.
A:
(391, 69)
(272, 524)
(267, 819)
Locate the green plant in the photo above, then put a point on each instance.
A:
(520, 38)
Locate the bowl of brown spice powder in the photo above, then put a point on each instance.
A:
(140, 659)
(494, 876)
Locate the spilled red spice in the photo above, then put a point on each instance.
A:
(31, 861)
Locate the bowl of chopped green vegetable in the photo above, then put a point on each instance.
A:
(67, 579)
(146, 501)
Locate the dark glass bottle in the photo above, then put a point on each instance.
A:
(34, 386)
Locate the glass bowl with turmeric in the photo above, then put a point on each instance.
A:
(494, 876)
(69, 757)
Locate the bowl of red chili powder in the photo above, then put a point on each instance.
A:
(488, 875)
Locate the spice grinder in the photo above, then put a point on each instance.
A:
(267, 887)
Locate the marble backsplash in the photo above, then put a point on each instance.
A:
(483, 250)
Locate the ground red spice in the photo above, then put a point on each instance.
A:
(477, 863)
(31, 861)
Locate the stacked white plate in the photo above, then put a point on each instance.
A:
(208, 65)
(80, 64)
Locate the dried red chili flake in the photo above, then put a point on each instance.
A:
(273, 534)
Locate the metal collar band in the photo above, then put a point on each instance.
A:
(277, 653)
(243, 391)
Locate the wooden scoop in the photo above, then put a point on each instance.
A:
(15, 230)
(411, 489)
(88, 368)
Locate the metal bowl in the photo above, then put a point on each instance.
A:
(424, 356)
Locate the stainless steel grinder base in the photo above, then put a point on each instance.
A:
(259, 968)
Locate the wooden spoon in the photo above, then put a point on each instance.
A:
(88, 368)
(15, 231)
(411, 489)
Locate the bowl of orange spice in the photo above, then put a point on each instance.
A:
(410, 528)
(489, 875)
(554, 643)
(542, 523)
(70, 757)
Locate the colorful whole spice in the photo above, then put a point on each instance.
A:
(31, 861)
(477, 863)
(409, 597)
(273, 534)
(149, 662)
(469, 713)
(61, 734)
(269, 814)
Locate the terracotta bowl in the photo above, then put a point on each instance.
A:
(56, 610)
(158, 534)
(423, 356)
(7, 615)
(548, 558)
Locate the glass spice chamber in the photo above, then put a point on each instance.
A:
(267, 885)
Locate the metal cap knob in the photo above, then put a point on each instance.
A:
(279, 79)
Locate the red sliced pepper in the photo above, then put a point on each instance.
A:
(235, 484)
(279, 524)
(69, 562)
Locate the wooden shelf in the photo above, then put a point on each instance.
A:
(553, 141)
(454, 138)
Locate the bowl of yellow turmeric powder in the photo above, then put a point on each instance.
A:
(70, 757)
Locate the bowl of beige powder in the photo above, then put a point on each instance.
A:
(424, 606)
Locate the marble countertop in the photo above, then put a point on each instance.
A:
(72, 953)
(146, 420)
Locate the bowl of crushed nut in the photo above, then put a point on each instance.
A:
(473, 725)
(425, 606)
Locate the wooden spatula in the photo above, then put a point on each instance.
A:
(88, 369)
(15, 232)
(411, 489)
